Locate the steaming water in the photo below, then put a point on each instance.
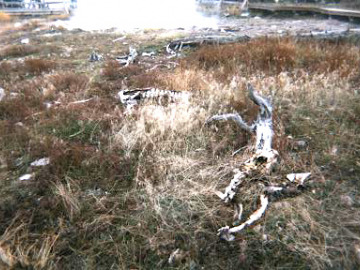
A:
(130, 14)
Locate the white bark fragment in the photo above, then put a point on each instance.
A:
(298, 178)
(226, 233)
(230, 190)
(26, 177)
(2, 94)
(238, 211)
(40, 162)
(81, 101)
(6, 257)
(25, 41)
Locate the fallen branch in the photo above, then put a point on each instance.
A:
(232, 116)
(262, 161)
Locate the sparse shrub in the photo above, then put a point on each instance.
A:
(18, 51)
(5, 69)
(37, 66)
(70, 82)
(21, 106)
(113, 70)
(149, 79)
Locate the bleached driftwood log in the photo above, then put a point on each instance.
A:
(263, 160)
(133, 97)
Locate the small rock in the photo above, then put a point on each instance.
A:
(148, 54)
(245, 14)
(346, 201)
(26, 177)
(265, 237)
(2, 94)
(257, 228)
(14, 95)
(40, 162)
(334, 150)
(94, 57)
(25, 41)
(301, 144)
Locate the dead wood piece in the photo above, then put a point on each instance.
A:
(227, 233)
(263, 161)
(133, 97)
(265, 156)
(94, 57)
(128, 59)
(177, 45)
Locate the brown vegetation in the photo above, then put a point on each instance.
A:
(37, 66)
(18, 51)
(273, 56)
(70, 82)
